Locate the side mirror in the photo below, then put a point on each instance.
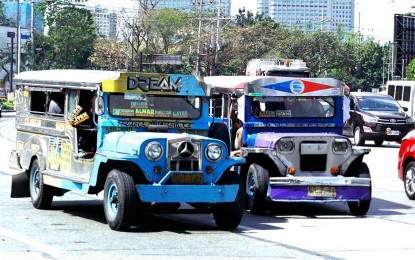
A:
(99, 106)
(405, 109)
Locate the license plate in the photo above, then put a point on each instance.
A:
(393, 132)
(187, 178)
(321, 191)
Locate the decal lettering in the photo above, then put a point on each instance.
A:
(147, 84)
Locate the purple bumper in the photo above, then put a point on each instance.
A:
(319, 189)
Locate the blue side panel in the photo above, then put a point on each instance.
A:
(74, 186)
(187, 193)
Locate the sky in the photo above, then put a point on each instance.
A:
(374, 17)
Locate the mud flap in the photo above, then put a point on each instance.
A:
(20, 185)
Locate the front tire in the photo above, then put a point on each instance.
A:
(256, 189)
(40, 193)
(229, 215)
(120, 200)
(357, 136)
(361, 207)
(409, 181)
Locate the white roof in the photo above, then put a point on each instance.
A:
(65, 77)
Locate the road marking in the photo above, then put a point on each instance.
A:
(52, 251)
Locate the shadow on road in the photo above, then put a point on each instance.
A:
(278, 213)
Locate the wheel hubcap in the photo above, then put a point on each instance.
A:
(409, 181)
(357, 136)
(251, 186)
(112, 199)
(36, 182)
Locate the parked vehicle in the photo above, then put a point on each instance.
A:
(406, 164)
(293, 145)
(404, 92)
(376, 117)
(145, 140)
(278, 67)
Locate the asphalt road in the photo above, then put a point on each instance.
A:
(75, 227)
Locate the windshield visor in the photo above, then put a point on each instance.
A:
(292, 107)
(149, 106)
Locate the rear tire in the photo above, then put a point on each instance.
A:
(40, 193)
(120, 200)
(229, 215)
(409, 181)
(256, 189)
(378, 142)
(361, 207)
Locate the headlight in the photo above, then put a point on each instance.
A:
(409, 120)
(285, 145)
(153, 151)
(370, 119)
(213, 152)
(340, 146)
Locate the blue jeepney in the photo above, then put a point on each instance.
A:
(293, 143)
(145, 140)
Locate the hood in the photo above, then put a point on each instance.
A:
(130, 142)
(387, 114)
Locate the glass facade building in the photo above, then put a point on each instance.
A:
(310, 15)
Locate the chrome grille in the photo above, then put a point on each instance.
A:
(184, 155)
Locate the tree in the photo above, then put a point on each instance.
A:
(108, 54)
(410, 70)
(4, 20)
(71, 36)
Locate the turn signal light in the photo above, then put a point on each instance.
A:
(157, 169)
(209, 169)
(335, 170)
(292, 170)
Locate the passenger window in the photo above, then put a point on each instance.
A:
(391, 90)
(38, 102)
(406, 93)
(56, 103)
(398, 94)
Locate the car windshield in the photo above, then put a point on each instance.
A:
(293, 107)
(150, 106)
(378, 103)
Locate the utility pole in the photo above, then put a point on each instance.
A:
(199, 34)
(32, 28)
(217, 33)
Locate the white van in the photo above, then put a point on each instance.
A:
(404, 92)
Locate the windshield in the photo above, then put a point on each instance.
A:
(378, 103)
(150, 106)
(292, 107)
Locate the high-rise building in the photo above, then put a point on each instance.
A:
(189, 5)
(310, 15)
(25, 13)
(106, 21)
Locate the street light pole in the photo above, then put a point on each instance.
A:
(18, 38)
(11, 35)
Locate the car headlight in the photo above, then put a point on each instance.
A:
(285, 145)
(409, 120)
(340, 146)
(213, 152)
(370, 119)
(153, 151)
